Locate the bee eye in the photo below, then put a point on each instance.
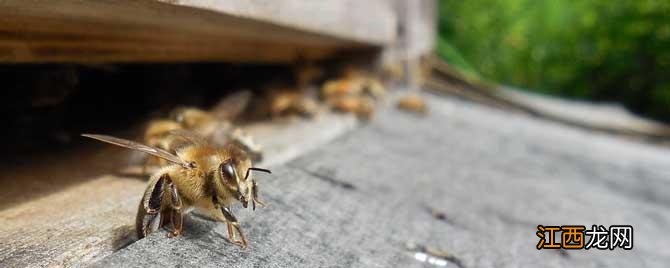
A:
(227, 170)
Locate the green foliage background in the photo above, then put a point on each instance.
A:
(599, 50)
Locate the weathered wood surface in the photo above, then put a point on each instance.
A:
(370, 21)
(417, 29)
(469, 180)
(73, 208)
(197, 30)
(606, 118)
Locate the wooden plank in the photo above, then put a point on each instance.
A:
(122, 31)
(73, 208)
(417, 23)
(463, 186)
(446, 79)
(370, 21)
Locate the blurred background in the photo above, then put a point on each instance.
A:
(603, 51)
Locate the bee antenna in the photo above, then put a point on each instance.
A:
(261, 169)
(257, 169)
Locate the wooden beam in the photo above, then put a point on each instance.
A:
(76, 207)
(370, 21)
(448, 80)
(152, 31)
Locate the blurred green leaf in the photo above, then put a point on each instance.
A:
(598, 50)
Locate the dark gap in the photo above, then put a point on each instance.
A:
(438, 215)
(46, 106)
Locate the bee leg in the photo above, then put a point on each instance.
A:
(232, 223)
(177, 216)
(149, 217)
(166, 217)
(231, 234)
(147, 223)
(255, 197)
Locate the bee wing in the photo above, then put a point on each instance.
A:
(186, 137)
(138, 146)
(180, 138)
(232, 106)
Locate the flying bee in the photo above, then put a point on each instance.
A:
(200, 176)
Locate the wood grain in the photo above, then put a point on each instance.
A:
(448, 80)
(123, 31)
(76, 207)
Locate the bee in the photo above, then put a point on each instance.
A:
(393, 70)
(283, 101)
(413, 103)
(360, 106)
(205, 124)
(356, 92)
(156, 131)
(155, 136)
(278, 100)
(199, 176)
(198, 120)
(353, 82)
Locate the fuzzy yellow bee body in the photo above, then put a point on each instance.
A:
(200, 176)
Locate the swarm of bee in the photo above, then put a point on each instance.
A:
(355, 92)
(203, 162)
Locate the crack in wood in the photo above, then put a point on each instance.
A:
(327, 177)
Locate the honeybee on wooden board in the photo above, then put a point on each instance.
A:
(199, 176)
